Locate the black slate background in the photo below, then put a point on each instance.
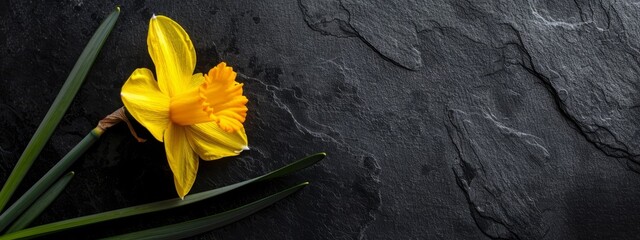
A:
(442, 119)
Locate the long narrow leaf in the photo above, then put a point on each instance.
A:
(49, 178)
(201, 225)
(41, 204)
(158, 206)
(58, 108)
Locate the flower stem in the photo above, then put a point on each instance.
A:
(49, 178)
(41, 204)
(58, 108)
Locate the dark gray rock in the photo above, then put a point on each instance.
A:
(590, 63)
(442, 119)
(390, 35)
(501, 185)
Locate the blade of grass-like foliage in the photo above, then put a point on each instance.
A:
(160, 205)
(41, 204)
(49, 178)
(58, 108)
(201, 225)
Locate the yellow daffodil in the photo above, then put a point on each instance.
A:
(194, 115)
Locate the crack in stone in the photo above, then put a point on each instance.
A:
(369, 161)
(335, 25)
(333, 18)
(493, 174)
(298, 125)
(553, 22)
(591, 136)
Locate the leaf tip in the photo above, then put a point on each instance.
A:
(319, 156)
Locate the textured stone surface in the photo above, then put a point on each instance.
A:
(442, 119)
(504, 206)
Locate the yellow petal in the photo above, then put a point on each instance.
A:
(196, 80)
(182, 159)
(145, 102)
(211, 142)
(172, 53)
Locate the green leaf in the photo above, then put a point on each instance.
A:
(200, 225)
(161, 205)
(58, 108)
(49, 178)
(41, 204)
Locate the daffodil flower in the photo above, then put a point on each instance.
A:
(194, 115)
